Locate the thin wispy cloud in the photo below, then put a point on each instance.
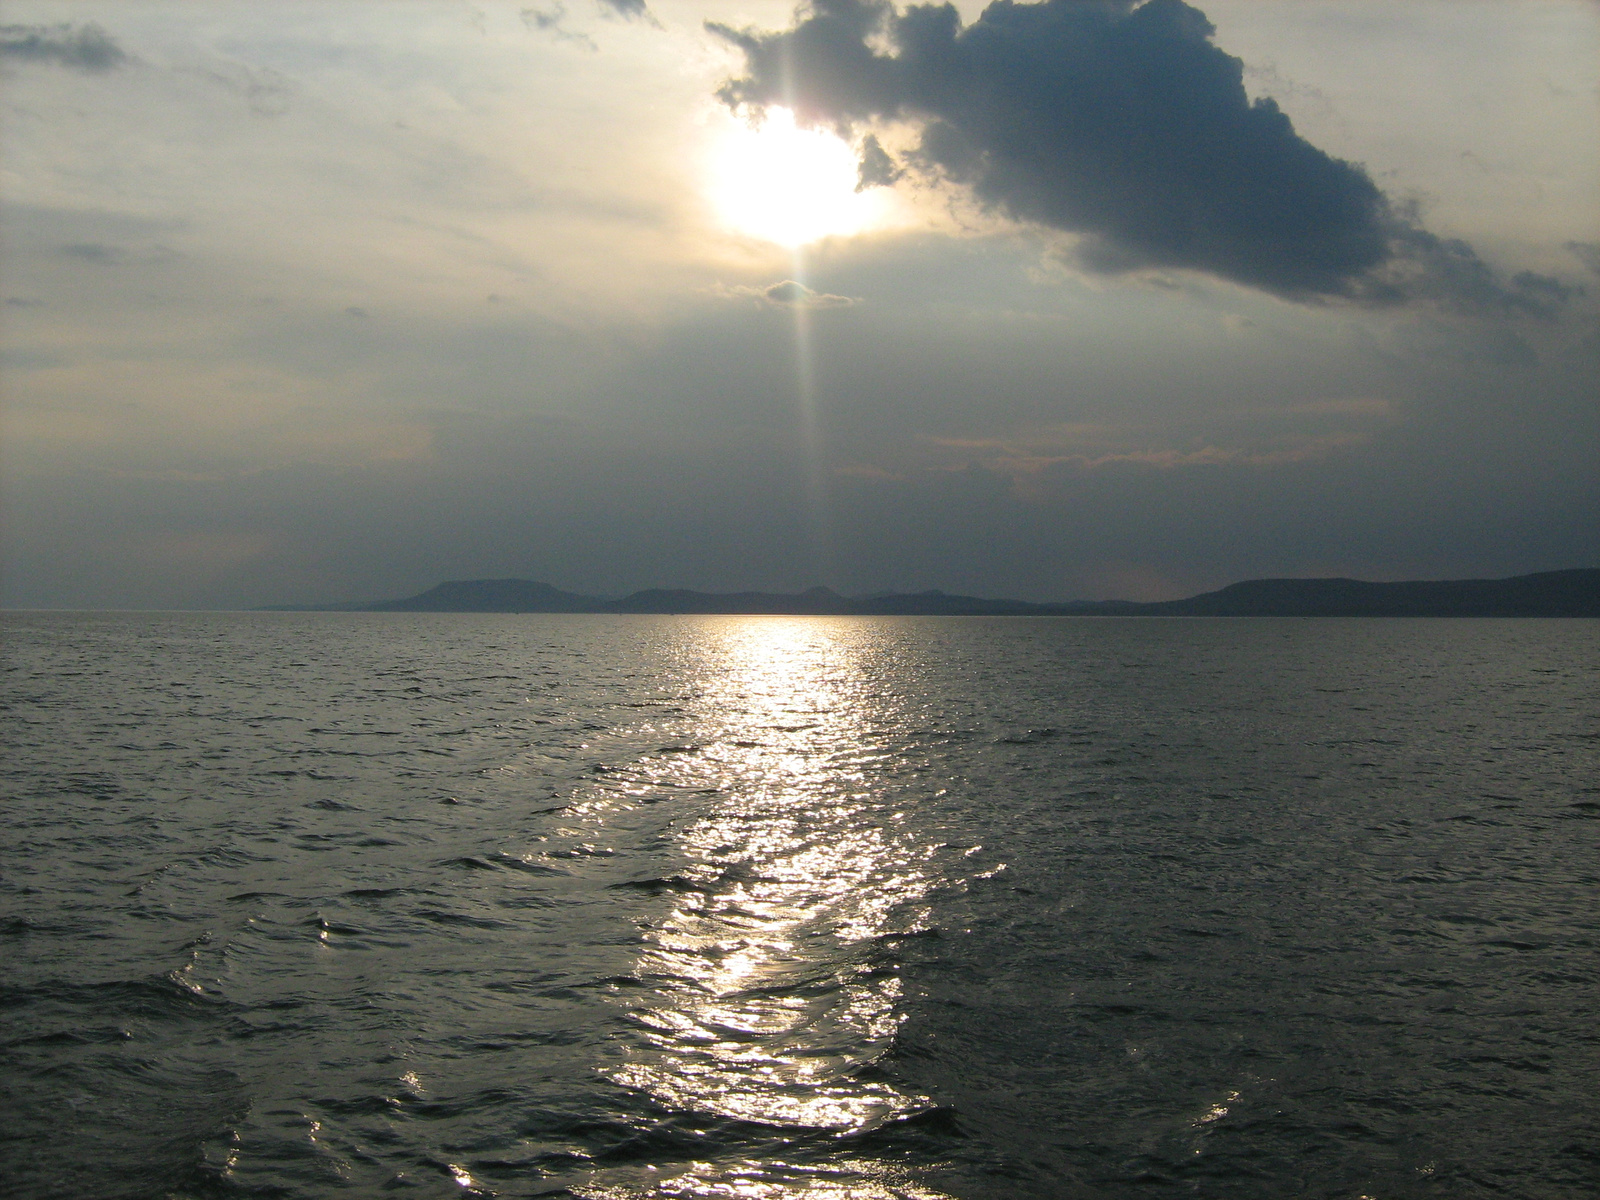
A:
(789, 293)
(79, 47)
(628, 10)
(551, 19)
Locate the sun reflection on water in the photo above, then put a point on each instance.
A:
(773, 986)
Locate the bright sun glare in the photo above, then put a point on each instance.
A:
(776, 181)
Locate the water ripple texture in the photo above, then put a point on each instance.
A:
(626, 907)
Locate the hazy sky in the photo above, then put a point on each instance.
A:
(321, 301)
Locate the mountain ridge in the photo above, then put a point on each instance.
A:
(1569, 593)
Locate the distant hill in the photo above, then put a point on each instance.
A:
(1548, 594)
(489, 595)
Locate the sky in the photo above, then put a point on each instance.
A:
(308, 302)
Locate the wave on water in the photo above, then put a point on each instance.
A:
(626, 908)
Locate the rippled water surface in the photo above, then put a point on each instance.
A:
(309, 905)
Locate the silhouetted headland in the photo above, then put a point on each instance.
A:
(1573, 593)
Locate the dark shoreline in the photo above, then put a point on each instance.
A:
(1573, 593)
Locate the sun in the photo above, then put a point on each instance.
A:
(779, 182)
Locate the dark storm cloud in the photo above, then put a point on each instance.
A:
(1534, 286)
(1123, 123)
(83, 47)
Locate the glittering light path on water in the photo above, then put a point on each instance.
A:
(772, 984)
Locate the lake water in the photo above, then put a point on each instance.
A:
(308, 905)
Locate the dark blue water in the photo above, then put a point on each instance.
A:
(309, 905)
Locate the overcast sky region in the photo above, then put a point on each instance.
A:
(1074, 299)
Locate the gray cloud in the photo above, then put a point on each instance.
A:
(788, 293)
(680, 503)
(94, 252)
(1588, 253)
(1123, 123)
(877, 168)
(82, 47)
(631, 10)
(109, 255)
(551, 19)
(1532, 285)
(266, 91)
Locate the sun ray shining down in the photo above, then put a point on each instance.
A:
(819, 526)
(773, 180)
